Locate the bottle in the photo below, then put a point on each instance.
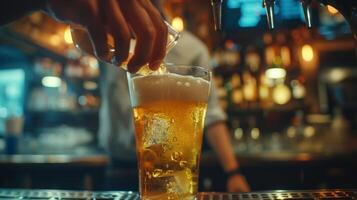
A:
(253, 63)
(283, 49)
(264, 92)
(221, 91)
(298, 89)
(269, 51)
(237, 93)
(252, 59)
(250, 92)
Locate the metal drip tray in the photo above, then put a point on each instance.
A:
(87, 195)
(284, 195)
(65, 195)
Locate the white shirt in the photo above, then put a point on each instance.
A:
(116, 129)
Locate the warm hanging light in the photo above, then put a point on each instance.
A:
(51, 81)
(307, 53)
(281, 94)
(337, 75)
(332, 10)
(177, 23)
(90, 85)
(275, 73)
(255, 133)
(68, 36)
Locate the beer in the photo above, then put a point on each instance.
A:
(169, 113)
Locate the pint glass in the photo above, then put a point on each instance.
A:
(169, 111)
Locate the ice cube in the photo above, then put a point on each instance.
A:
(182, 182)
(156, 129)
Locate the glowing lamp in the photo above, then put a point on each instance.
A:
(275, 73)
(177, 23)
(307, 53)
(51, 81)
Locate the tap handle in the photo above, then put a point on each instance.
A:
(217, 13)
(306, 5)
(269, 9)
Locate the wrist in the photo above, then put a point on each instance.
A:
(236, 171)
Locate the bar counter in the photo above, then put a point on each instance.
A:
(128, 195)
(86, 167)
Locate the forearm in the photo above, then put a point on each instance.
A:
(13, 9)
(219, 139)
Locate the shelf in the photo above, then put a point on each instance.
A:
(64, 112)
(29, 46)
(259, 110)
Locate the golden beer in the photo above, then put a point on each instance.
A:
(169, 113)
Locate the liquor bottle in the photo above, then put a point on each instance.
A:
(251, 75)
(221, 91)
(252, 59)
(237, 93)
(264, 92)
(283, 49)
(269, 51)
(250, 88)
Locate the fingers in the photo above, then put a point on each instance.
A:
(99, 41)
(140, 22)
(119, 29)
(97, 32)
(122, 17)
(160, 41)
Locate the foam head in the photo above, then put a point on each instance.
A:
(168, 86)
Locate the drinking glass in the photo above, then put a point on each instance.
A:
(169, 110)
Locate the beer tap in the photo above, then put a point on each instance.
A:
(348, 8)
(306, 6)
(217, 13)
(269, 9)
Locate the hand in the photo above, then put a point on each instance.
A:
(237, 183)
(121, 18)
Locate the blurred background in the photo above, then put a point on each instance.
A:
(288, 94)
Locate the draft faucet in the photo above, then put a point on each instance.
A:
(217, 13)
(348, 8)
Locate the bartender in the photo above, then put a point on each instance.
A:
(140, 16)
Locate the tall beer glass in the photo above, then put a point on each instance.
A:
(169, 111)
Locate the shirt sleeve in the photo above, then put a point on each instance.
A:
(214, 111)
(115, 116)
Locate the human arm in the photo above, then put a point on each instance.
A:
(121, 18)
(218, 136)
(219, 139)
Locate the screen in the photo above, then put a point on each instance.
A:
(242, 14)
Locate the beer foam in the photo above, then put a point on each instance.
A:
(168, 86)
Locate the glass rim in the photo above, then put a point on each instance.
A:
(188, 66)
(172, 66)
